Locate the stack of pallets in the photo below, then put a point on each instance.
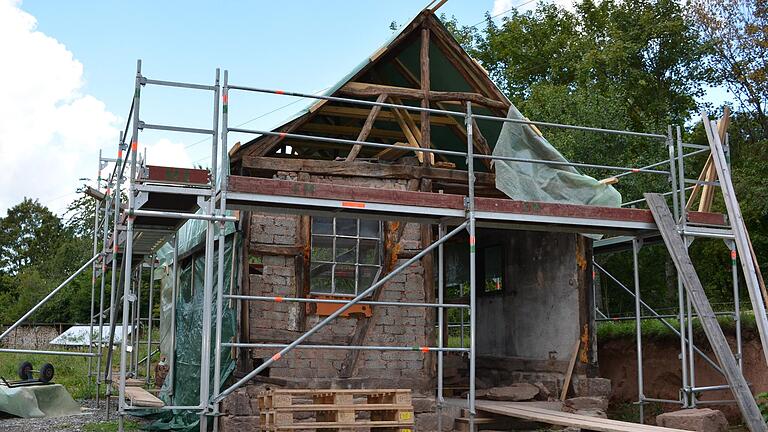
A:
(336, 410)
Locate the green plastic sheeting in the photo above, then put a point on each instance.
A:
(189, 318)
(539, 182)
(50, 400)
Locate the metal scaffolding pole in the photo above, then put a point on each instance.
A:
(149, 314)
(94, 269)
(223, 172)
(205, 349)
(472, 267)
(638, 328)
(174, 288)
(103, 264)
(115, 247)
(439, 401)
(129, 246)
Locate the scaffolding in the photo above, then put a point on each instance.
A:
(127, 237)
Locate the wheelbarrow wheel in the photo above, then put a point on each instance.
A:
(25, 371)
(46, 373)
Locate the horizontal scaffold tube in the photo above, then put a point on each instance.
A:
(180, 215)
(444, 152)
(347, 347)
(44, 352)
(337, 313)
(446, 112)
(342, 301)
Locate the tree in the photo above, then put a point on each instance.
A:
(28, 234)
(737, 32)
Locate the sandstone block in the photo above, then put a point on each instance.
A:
(514, 392)
(700, 419)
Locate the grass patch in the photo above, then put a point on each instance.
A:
(656, 329)
(71, 372)
(111, 426)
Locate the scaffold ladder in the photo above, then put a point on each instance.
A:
(740, 234)
(687, 273)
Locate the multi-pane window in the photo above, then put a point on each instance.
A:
(346, 255)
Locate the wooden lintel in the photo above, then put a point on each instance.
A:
(274, 250)
(358, 89)
(270, 165)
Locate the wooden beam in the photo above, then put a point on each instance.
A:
(709, 169)
(358, 89)
(471, 72)
(270, 165)
(569, 371)
(352, 131)
(362, 113)
(411, 131)
(424, 64)
(366, 128)
(456, 126)
(708, 191)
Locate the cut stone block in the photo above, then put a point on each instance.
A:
(699, 419)
(513, 393)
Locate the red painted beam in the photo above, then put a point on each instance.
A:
(353, 194)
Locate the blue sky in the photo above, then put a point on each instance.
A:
(262, 43)
(73, 68)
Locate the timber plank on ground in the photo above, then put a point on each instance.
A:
(142, 398)
(542, 415)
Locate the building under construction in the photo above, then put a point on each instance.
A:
(409, 239)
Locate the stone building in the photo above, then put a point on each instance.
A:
(534, 296)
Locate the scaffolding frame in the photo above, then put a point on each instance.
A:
(213, 203)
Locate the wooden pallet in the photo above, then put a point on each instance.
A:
(336, 410)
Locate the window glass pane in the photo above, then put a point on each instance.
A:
(347, 227)
(346, 250)
(369, 228)
(369, 252)
(322, 249)
(345, 279)
(365, 277)
(322, 225)
(493, 263)
(320, 278)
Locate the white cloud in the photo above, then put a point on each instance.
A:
(164, 152)
(501, 6)
(50, 132)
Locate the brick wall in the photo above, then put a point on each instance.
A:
(284, 322)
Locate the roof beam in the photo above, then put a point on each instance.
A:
(359, 89)
(362, 113)
(366, 128)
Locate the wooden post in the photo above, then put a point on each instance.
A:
(366, 128)
(425, 86)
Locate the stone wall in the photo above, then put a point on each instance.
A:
(30, 337)
(284, 322)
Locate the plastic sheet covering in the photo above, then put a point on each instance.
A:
(544, 183)
(189, 317)
(50, 400)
